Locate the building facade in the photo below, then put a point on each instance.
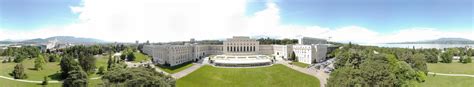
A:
(310, 41)
(238, 45)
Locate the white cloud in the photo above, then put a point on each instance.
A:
(174, 20)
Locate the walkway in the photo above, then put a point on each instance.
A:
(187, 71)
(313, 72)
(33, 81)
(465, 75)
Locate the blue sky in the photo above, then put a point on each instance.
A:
(368, 21)
(379, 15)
(34, 14)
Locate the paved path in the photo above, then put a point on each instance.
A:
(313, 72)
(186, 71)
(33, 81)
(465, 75)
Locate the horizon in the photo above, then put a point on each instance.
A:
(365, 21)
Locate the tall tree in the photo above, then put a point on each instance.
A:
(19, 72)
(87, 63)
(77, 78)
(39, 62)
(67, 63)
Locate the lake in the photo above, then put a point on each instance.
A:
(418, 46)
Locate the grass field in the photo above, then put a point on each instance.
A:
(452, 68)
(10, 83)
(447, 81)
(176, 68)
(139, 57)
(302, 65)
(51, 69)
(273, 76)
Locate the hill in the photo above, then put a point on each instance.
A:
(440, 41)
(64, 39)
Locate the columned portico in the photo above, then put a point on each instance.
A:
(241, 45)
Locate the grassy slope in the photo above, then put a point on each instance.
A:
(140, 57)
(177, 68)
(10, 83)
(51, 69)
(274, 76)
(448, 81)
(452, 68)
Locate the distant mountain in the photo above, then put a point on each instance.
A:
(441, 41)
(64, 39)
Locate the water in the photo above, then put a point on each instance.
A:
(422, 46)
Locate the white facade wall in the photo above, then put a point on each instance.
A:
(178, 54)
(239, 45)
(310, 53)
(282, 51)
(304, 53)
(266, 49)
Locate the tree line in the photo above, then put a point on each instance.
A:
(277, 41)
(376, 66)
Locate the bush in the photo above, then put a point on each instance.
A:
(101, 70)
(465, 59)
(45, 81)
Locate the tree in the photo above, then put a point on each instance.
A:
(77, 78)
(468, 59)
(39, 62)
(110, 62)
(376, 73)
(293, 56)
(87, 63)
(19, 72)
(431, 57)
(19, 58)
(54, 58)
(447, 57)
(137, 77)
(67, 63)
(418, 63)
(101, 70)
(465, 59)
(45, 81)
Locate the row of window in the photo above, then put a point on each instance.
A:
(241, 48)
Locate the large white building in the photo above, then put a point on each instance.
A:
(309, 51)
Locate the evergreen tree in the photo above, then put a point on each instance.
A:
(19, 72)
(66, 65)
(77, 78)
(39, 62)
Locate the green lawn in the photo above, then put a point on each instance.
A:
(139, 57)
(176, 68)
(274, 76)
(302, 65)
(452, 68)
(447, 81)
(10, 83)
(51, 69)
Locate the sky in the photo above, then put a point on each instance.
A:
(359, 21)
